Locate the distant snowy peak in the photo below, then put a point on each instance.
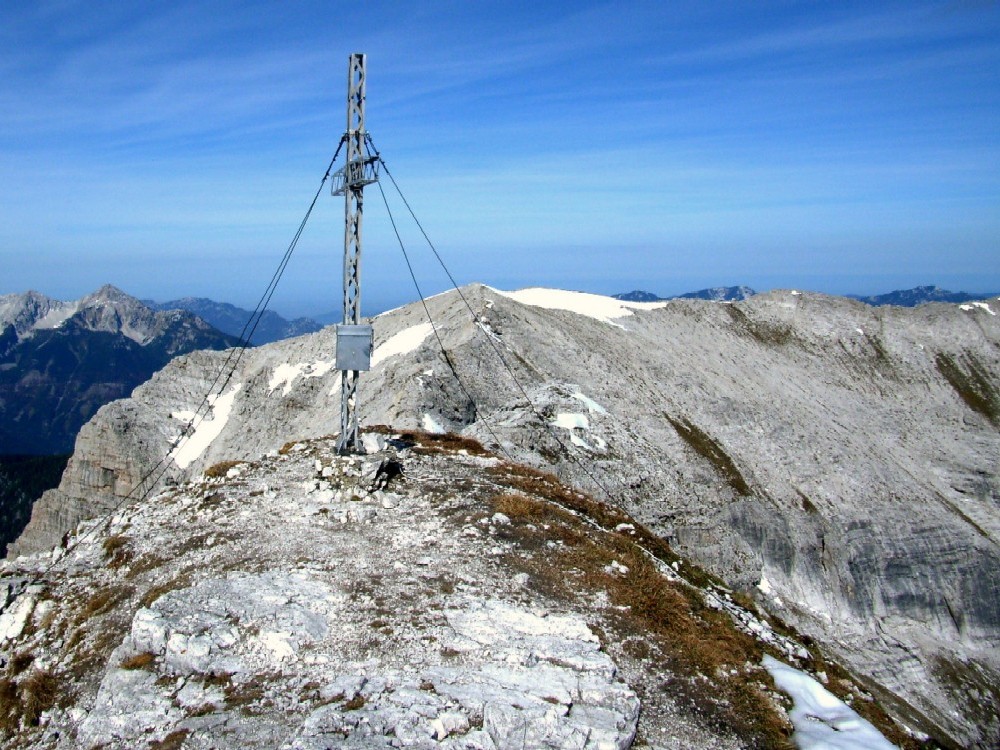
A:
(637, 296)
(721, 294)
(61, 361)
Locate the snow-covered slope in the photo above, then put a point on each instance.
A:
(836, 461)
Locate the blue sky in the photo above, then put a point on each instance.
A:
(171, 148)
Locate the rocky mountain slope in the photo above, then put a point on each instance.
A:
(61, 361)
(836, 461)
(231, 319)
(472, 603)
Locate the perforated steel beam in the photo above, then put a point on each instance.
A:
(353, 183)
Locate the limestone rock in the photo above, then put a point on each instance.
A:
(842, 457)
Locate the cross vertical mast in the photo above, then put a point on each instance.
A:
(354, 341)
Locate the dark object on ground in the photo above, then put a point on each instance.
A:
(388, 470)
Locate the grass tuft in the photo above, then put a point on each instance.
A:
(972, 384)
(430, 444)
(220, 469)
(355, 703)
(139, 661)
(520, 507)
(117, 551)
(709, 449)
(180, 581)
(173, 741)
(38, 694)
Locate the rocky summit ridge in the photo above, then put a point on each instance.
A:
(286, 602)
(834, 461)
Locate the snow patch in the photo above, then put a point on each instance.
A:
(286, 374)
(207, 429)
(981, 305)
(596, 306)
(592, 406)
(57, 316)
(432, 425)
(821, 720)
(404, 342)
(571, 421)
(13, 620)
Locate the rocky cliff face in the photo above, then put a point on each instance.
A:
(837, 461)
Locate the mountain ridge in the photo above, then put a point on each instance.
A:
(470, 603)
(715, 293)
(831, 459)
(901, 297)
(61, 361)
(232, 320)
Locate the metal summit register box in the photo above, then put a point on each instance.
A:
(354, 347)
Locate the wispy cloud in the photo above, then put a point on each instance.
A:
(166, 127)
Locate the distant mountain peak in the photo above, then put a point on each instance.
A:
(715, 293)
(111, 293)
(231, 319)
(918, 295)
(87, 352)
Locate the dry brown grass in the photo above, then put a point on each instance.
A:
(709, 664)
(972, 384)
(173, 741)
(709, 449)
(519, 507)
(144, 564)
(10, 707)
(244, 695)
(429, 444)
(139, 661)
(221, 469)
(98, 603)
(116, 550)
(20, 662)
(703, 657)
(38, 694)
(180, 581)
(22, 702)
(355, 703)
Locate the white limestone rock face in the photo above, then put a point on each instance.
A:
(846, 454)
(284, 605)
